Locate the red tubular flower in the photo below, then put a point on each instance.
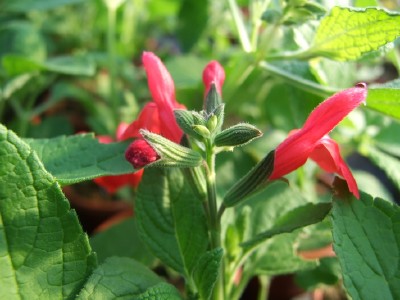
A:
(157, 116)
(213, 73)
(312, 140)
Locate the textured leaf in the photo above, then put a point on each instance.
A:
(125, 242)
(170, 219)
(81, 157)
(385, 100)
(347, 34)
(43, 251)
(124, 278)
(207, 271)
(366, 236)
(297, 218)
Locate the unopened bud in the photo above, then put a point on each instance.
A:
(202, 130)
(140, 154)
(237, 135)
(212, 123)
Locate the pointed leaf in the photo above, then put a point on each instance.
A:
(81, 157)
(347, 34)
(297, 218)
(207, 271)
(367, 241)
(124, 278)
(43, 251)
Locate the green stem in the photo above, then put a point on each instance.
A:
(214, 221)
(264, 286)
(112, 61)
(241, 28)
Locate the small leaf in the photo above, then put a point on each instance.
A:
(297, 218)
(213, 100)
(81, 157)
(366, 240)
(252, 182)
(44, 251)
(207, 271)
(124, 278)
(347, 34)
(237, 135)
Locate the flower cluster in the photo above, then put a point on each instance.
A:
(311, 141)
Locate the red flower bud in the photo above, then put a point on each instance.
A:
(213, 73)
(140, 154)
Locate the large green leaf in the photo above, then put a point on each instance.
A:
(125, 242)
(366, 236)
(171, 219)
(43, 251)
(348, 33)
(77, 158)
(124, 278)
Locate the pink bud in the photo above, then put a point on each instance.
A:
(140, 154)
(213, 73)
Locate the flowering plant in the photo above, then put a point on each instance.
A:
(258, 181)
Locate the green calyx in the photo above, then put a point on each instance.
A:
(172, 154)
(237, 135)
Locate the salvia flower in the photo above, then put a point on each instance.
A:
(312, 140)
(156, 116)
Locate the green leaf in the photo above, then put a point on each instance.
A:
(23, 6)
(237, 135)
(125, 242)
(171, 219)
(68, 65)
(297, 218)
(81, 157)
(348, 33)
(192, 20)
(385, 99)
(206, 272)
(43, 251)
(124, 278)
(366, 240)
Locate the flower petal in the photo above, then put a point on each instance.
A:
(213, 73)
(113, 183)
(333, 110)
(147, 119)
(295, 150)
(162, 90)
(327, 155)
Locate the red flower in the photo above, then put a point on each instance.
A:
(312, 141)
(213, 73)
(157, 116)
